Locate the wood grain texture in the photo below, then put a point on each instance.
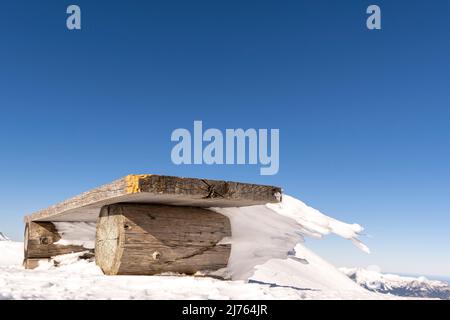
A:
(142, 239)
(40, 242)
(33, 263)
(154, 189)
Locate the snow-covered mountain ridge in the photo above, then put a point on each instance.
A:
(420, 287)
(3, 237)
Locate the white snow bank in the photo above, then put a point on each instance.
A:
(305, 270)
(82, 279)
(11, 253)
(272, 231)
(76, 233)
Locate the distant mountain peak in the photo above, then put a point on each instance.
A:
(397, 285)
(3, 237)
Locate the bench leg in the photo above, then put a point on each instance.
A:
(41, 244)
(143, 239)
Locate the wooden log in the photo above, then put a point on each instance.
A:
(41, 243)
(143, 239)
(33, 263)
(157, 189)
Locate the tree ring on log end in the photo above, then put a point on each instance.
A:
(108, 238)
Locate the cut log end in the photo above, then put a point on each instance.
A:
(143, 239)
(108, 236)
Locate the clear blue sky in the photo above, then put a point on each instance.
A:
(363, 115)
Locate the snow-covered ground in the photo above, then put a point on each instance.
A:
(82, 279)
(11, 254)
(268, 260)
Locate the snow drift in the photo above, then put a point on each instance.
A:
(11, 253)
(269, 239)
(76, 233)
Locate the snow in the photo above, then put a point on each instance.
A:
(76, 233)
(272, 231)
(82, 279)
(268, 260)
(316, 222)
(3, 237)
(311, 272)
(11, 253)
(372, 279)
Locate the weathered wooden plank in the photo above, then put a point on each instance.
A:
(145, 239)
(159, 189)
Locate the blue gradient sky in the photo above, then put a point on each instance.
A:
(363, 115)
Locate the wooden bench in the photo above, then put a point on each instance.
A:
(147, 224)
